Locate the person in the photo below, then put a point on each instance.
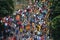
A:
(4, 38)
(33, 26)
(28, 27)
(38, 38)
(35, 37)
(12, 38)
(42, 37)
(31, 38)
(21, 30)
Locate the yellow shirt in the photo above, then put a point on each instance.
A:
(39, 27)
(21, 29)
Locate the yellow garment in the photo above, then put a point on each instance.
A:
(38, 27)
(21, 30)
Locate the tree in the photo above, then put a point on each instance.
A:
(55, 8)
(6, 7)
(55, 19)
(55, 26)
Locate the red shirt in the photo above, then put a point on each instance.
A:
(42, 38)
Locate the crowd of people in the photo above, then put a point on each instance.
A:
(27, 24)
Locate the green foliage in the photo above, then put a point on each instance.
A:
(6, 7)
(55, 25)
(55, 9)
(55, 19)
